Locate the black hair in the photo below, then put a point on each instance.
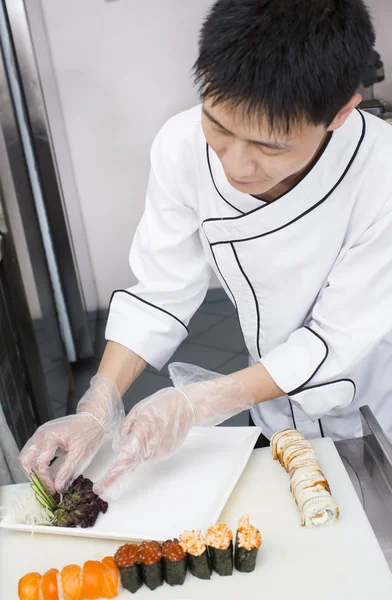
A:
(284, 60)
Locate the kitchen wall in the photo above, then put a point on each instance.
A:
(122, 69)
(381, 11)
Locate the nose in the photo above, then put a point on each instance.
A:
(237, 161)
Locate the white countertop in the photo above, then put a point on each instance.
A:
(334, 562)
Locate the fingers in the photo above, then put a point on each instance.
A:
(115, 491)
(78, 437)
(126, 463)
(38, 458)
(28, 458)
(129, 422)
(73, 464)
(114, 481)
(67, 472)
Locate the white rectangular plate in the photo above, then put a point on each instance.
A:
(188, 491)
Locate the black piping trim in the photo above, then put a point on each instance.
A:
(297, 389)
(292, 413)
(302, 214)
(318, 385)
(149, 304)
(254, 297)
(321, 428)
(215, 186)
(231, 242)
(220, 273)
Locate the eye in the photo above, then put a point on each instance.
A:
(270, 151)
(221, 130)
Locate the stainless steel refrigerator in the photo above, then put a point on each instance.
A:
(44, 323)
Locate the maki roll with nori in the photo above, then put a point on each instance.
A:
(219, 540)
(127, 561)
(174, 562)
(247, 545)
(194, 544)
(151, 564)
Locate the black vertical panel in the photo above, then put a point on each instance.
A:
(18, 382)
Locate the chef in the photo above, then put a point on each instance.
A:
(283, 188)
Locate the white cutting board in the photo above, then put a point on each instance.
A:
(340, 562)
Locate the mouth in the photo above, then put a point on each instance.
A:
(238, 182)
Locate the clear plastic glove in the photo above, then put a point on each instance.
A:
(158, 425)
(75, 438)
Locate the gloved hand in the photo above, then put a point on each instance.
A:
(158, 425)
(76, 437)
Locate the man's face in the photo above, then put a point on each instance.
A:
(254, 159)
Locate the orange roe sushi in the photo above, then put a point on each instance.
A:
(127, 561)
(151, 564)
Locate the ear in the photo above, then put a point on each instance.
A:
(345, 112)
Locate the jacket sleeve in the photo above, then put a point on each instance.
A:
(167, 260)
(351, 316)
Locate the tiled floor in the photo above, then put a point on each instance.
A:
(215, 343)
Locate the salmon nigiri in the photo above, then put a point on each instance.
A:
(110, 578)
(71, 579)
(28, 587)
(48, 585)
(92, 580)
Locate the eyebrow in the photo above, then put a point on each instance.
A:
(271, 145)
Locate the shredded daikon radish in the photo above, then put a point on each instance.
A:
(26, 510)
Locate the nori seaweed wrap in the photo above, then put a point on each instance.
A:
(194, 544)
(127, 561)
(151, 564)
(174, 562)
(248, 542)
(220, 548)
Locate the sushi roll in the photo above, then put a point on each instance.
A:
(247, 545)
(220, 547)
(194, 544)
(127, 561)
(174, 562)
(151, 564)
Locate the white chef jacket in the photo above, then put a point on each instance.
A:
(310, 273)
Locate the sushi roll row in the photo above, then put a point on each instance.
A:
(152, 564)
(96, 579)
(215, 552)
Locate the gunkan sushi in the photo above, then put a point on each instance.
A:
(127, 561)
(220, 547)
(151, 564)
(174, 562)
(194, 544)
(248, 542)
